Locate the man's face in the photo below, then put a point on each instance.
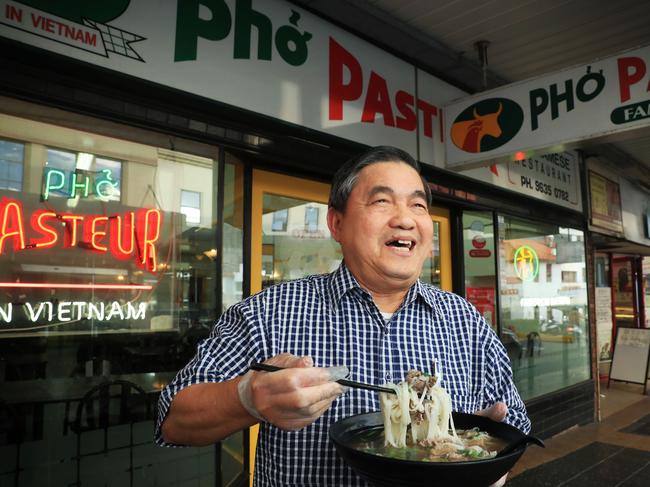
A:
(385, 232)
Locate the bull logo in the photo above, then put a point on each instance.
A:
(487, 125)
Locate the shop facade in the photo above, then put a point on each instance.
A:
(150, 182)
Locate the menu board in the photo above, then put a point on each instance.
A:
(605, 198)
(631, 356)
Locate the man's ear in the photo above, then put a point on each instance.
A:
(334, 223)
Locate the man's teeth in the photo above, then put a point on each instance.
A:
(402, 244)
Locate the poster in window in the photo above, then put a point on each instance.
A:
(605, 197)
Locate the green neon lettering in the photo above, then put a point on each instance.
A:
(48, 182)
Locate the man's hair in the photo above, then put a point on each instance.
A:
(346, 177)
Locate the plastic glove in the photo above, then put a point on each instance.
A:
(293, 398)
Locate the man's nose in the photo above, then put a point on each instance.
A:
(402, 217)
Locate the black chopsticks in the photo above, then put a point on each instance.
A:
(343, 382)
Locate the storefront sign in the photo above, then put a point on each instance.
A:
(65, 311)
(553, 178)
(130, 235)
(100, 184)
(269, 56)
(601, 98)
(605, 199)
(483, 299)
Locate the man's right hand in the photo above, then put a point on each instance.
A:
(293, 398)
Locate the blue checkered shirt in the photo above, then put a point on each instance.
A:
(332, 319)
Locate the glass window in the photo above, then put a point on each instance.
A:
(102, 288)
(233, 232)
(76, 175)
(11, 165)
(543, 324)
(280, 218)
(431, 268)
(311, 219)
(191, 206)
(480, 263)
(297, 252)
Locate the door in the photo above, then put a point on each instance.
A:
(290, 238)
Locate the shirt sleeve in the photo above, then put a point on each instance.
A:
(500, 385)
(224, 355)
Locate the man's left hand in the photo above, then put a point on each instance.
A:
(496, 412)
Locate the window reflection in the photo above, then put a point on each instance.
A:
(479, 260)
(543, 305)
(301, 245)
(104, 279)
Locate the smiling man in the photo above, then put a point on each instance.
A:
(372, 318)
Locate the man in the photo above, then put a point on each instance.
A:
(372, 317)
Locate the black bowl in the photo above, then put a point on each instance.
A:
(384, 471)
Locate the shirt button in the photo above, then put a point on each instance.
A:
(389, 378)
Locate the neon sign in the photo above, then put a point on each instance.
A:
(128, 235)
(526, 263)
(79, 184)
(75, 311)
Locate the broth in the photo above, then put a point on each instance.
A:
(371, 440)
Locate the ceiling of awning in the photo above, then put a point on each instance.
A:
(526, 39)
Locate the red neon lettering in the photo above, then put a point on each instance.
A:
(339, 91)
(41, 227)
(12, 224)
(428, 111)
(627, 78)
(408, 120)
(71, 229)
(377, 101)
(148, 232)
(118, 234)
(95, 234)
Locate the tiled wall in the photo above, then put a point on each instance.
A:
(559, 411)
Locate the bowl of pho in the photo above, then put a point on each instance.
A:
(416, 440)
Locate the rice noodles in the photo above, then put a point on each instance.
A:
(422, 408)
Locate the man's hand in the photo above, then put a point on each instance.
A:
(293, 398)
(496, 412)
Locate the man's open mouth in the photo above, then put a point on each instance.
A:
(401, 244)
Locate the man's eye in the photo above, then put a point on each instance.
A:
(420, 206)
(380, 201)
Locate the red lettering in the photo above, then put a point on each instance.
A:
(90, 39)
(627, 78)
(148, 232)
(377, 101)
(408, 120)
(11, 224)
(119, 231)
(70, 239)
(95, 234)
(49, 26)
(339, 91)
(13, 13)
(428, 112)
(49, 236)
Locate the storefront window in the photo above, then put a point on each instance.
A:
(479, 260)
(103, 279)
(544, 322)
(431, 268)
(296, 243)
(11, 165)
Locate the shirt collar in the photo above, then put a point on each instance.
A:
(341, 281)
